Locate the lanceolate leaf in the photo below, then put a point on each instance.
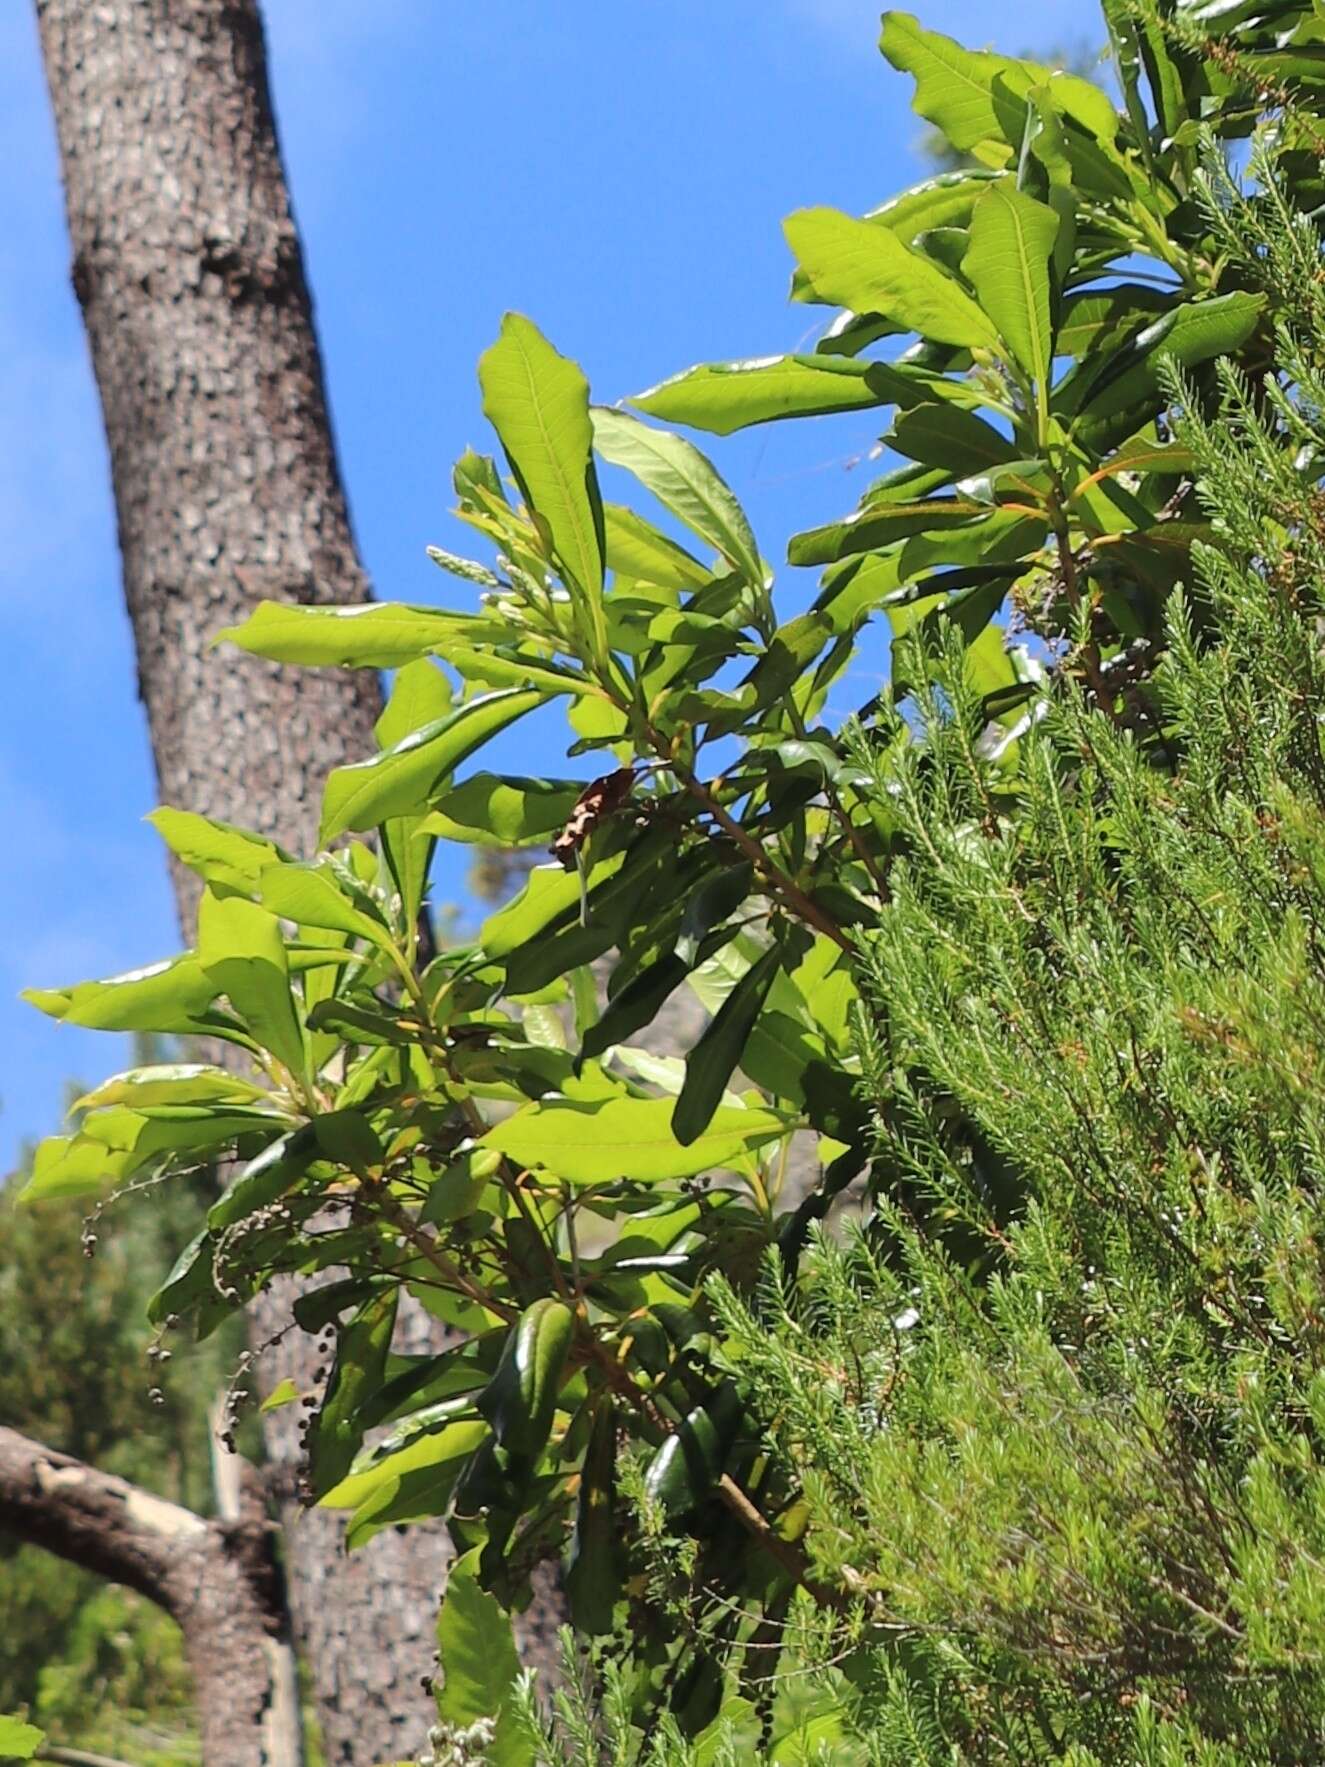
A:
(593, 1579)
(1012, 238)
(605, 1141)
(169, 997)
(402, 779)
(378, 635)
(717, 1055)
(855, 264)
(522, 1395)
(723, 397)
(681, 478)
(538, 403)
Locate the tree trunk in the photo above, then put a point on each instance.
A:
(217, 1580)
(189, 272)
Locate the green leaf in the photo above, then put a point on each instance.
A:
(309, 894)
(503, 809)
(1191, 334)
(276, 1169)
(549, 894)
(71, 1165)
(479, 1663)
(377, 635)
(420, 694)
(855, 264)
(19, 1741)
(946, 436)
(1012, 239)
(594, 1575)
(875, 525)
(682, 479)
(489, 668)
(538, 403)
(723, 397)
(414, 1484)
(694, 1457)
(170, 997)
(635, 548)
(217, 851)
(402, 779)
(456, 1190)
(424, 1449)
(170, 1083)
(635, 1006)
(717, 1055)
(285, 1392)
(1096, 321)
(977, 98)
(243, 956)
(360, 1368)
(605, 1140)
(521, 1397)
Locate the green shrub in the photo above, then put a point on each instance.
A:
(1025, 1467)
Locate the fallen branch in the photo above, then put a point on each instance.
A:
(217, 1579)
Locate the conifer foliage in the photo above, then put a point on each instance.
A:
(1026, 1464)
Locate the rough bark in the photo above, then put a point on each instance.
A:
(188, 268)
(217, 1580)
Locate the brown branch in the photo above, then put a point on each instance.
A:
(217, 1580)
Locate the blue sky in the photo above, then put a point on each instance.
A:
(617, 172)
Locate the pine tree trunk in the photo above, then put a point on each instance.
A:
(189, 272)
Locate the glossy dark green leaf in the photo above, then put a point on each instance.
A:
(717, 1055)
(871, 527)
(348, 1138)
(714, 902)
(521, 1397)
(594, 1574)
(694, 1457)
(1191, 334)
(637, 1005)
(947, 437)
